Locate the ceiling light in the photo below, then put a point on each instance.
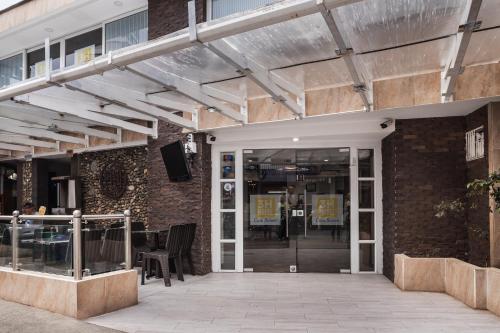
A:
(325, 160)
(49, 30)
(211, 109)
(295, 139)
(118, 3)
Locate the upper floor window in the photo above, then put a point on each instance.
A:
(11, 70)
(127, 31)
(36, 60)
(221, 8)
(83, 48)
(474, 144)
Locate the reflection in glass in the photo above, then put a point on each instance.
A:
(366, 194)
(366, 223)
(36, 60)
(365, 160)
(228, 196)
(366, 257)
(83, 48)
(11, 70)
(127, 31)
(227, 230)
(227, 256)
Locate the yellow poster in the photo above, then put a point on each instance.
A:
(84, 55)
(328, 209)
(265, 209)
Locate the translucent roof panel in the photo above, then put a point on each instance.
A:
(377, 24)
(289, 43)
(317, 75)
(484, 47)
(127, 80)
(239, 87)
(408, 60)
(198, 64)
(489, 14)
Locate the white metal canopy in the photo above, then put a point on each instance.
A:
(279, 51)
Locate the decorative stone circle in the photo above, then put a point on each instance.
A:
(113, 180)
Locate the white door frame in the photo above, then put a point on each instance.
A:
(238, 148)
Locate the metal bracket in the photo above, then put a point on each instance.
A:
(347, 52)
(474, 25)
(359, 87)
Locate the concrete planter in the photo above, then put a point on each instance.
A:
(89, 297)
(475, 286)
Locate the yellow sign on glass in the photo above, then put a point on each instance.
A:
(84, 55)
(265, 209)
(328, 209)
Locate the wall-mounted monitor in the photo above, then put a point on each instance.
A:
(176, 163)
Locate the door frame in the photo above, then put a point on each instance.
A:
(238, 148)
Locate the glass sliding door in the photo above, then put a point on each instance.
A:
(296, 210)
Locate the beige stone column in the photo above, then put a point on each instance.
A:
(494, 164)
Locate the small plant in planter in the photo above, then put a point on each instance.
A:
(490, 185)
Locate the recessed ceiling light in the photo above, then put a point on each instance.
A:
(118, 3)
(49, 30)
(295, 139)
(326, 160)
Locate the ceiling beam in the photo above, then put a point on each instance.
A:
(244, 66)
(15, 147)
(347, 54)
(26, 140)
(12, 126)
(81, 110)
(41, 119)
(153, 70)
(454, 68)
(127, 98)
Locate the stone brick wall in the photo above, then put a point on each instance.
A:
(134, 161)
(424, 163)
(478, 207)
(25, 173)
(186, 201)
(182, 202)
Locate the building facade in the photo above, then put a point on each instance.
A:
(340, 191)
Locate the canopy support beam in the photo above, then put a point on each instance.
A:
(454, 67)
(245, 66)
(190, 89)
(26, 140)
(347, 55)
(66, 106)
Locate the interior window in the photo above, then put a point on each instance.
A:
(36, 60)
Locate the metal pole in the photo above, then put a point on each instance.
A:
(15, 239)
(128, 239)
(77, 244)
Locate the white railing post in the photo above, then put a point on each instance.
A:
(15, 239)
(128, 239)
(77, 244)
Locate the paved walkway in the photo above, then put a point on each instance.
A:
(305, 303)
(17, 318)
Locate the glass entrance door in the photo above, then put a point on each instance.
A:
(296, 210)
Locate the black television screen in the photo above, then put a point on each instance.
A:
(175, 161)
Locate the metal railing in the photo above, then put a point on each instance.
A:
(76, 220)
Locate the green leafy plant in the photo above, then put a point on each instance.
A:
(490, 186)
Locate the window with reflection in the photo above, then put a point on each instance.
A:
(127, 31)
(11, 70)
(84, 48)
(221, 8)
(36, 60)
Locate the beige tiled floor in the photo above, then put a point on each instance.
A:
(307, 303)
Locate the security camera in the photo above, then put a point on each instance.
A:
(386, 123)
(211, 138)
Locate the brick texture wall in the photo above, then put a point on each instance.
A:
(424, 163)
(169, 202)
(167, 16)
(478, 207)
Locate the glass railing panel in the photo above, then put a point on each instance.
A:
(103, 246)
(5, 243)
(45, 246)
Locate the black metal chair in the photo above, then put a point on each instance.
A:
(189, 234)
(161, 258)
(139, 243)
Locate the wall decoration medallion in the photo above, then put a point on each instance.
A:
(113, 180)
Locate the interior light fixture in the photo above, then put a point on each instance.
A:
(295, 139)
(325, 160)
